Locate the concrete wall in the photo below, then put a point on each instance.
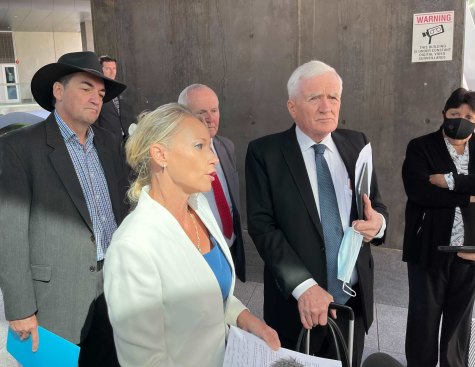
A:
(36, 49)
(247, 49)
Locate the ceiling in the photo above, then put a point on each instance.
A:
(43, 15)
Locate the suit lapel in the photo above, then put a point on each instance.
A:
(349, 153)
(226, 165)
(471, 161)
(104, 150)
(62, 163)
(444, 152)
(224, 160)
(294, 160)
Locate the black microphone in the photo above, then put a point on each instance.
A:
(380, 360)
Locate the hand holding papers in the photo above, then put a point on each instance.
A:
(53, 351)
(244, 349)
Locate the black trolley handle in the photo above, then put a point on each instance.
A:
(335, 331)
(351, 327)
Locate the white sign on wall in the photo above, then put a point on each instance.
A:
(433, 36)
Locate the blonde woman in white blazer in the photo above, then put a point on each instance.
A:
(167, 305)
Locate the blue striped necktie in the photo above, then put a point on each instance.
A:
(331, 224)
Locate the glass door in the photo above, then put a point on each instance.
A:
(9, 86)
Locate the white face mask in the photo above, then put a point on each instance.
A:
(347, 256)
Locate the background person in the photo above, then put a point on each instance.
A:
(62, 189)
(169, 276)
(110, 116)
(297, 214)
(224, 195)
(439, 179)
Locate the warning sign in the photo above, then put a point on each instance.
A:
(432, 36)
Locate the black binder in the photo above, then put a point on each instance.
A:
(362, 187)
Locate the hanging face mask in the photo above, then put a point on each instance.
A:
(458, 128)
(347, 256)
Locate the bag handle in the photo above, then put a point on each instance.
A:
(336, 335)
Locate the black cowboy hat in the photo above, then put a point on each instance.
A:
(74, 62)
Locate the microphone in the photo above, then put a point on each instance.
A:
(380, 360)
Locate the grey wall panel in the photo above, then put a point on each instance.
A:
(246, 50)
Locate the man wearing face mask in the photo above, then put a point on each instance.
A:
(439, 179)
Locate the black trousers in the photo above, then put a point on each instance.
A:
(321, 342)
(446, 292)
(98, 348)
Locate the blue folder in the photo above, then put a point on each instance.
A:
(53, 350)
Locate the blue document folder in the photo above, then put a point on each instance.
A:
(53, 350)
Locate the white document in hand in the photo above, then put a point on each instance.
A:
(244, 349)
(365, 158)
(363, 172)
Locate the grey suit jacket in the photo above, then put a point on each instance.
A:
(48, 252)
(225, 152)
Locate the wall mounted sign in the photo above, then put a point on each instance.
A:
(432, 36)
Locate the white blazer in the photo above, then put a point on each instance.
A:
(164, 301)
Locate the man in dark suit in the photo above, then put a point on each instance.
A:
(439, 179)
(62, 184)
(288, 198)
(224, 196)
(110, 116)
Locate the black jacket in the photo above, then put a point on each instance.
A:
(284, 224)
(430, 210)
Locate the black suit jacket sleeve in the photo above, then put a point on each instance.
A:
(271, 243)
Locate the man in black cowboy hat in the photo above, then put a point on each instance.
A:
(62, 189)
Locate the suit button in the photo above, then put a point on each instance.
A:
(322, 248)
(92, 269)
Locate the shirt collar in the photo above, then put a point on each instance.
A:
(452, 150)
(67, 133)
(306, 142)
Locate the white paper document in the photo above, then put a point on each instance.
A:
(247, 350)
(365, 158)
(363, 172)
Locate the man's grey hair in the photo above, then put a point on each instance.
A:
(183, 97)
(306, 71)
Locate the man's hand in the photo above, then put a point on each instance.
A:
(372, 224)
(247, 321)
(313, 307)
(25, 327)
(438, 180)
(466, 255)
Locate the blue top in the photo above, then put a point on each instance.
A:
(220, 266)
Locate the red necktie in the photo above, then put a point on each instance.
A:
(223, 207)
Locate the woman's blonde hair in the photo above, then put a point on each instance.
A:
(153, 127)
